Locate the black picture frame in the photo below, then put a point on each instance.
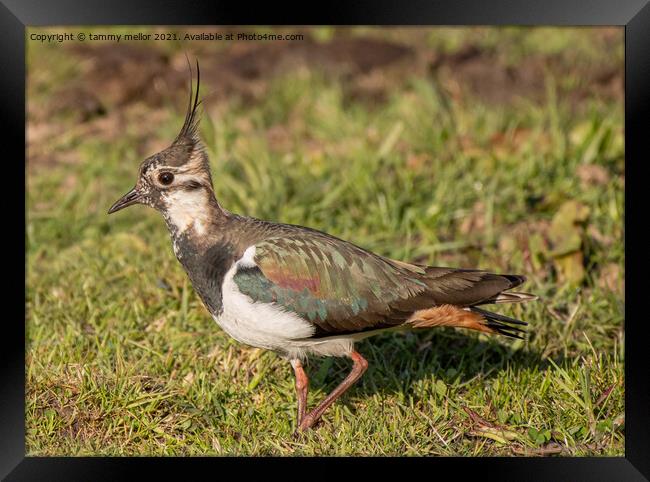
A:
(634, 15)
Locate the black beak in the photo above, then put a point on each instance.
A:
(129, 198)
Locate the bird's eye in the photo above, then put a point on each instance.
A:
(165, 178)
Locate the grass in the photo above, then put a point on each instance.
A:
(123, 359)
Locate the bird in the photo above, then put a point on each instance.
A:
(298, 291)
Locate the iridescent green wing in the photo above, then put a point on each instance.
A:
(338, 286)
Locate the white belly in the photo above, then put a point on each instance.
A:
(263, 325)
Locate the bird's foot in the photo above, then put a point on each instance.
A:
(309, 421)
(301, 432)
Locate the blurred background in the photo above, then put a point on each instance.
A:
(493, 148)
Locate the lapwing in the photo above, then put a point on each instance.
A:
(296, 290)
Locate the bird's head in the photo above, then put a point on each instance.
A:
(177, 179)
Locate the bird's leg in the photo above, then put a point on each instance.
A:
(359, 367)
(302, 387)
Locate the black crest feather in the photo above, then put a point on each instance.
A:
(190, 127)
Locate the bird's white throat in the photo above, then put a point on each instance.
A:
(188, 209)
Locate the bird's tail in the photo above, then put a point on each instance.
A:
(472, 318)
(501, 324)
(460, 307)
(509, 297)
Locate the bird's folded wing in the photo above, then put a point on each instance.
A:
(337, 286)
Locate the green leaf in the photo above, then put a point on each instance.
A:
(441, 388)
(498, 435)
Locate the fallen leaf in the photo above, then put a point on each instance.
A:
(592, 174)
(417, 161)
(605, 394)
(278, 138)
(610, 278)
(595, 234)
(552, 448)
(476, 418)
(566, 235)
(157, 325)
(496, 434)
(188, 379)
(571, 267)
(486, 429)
